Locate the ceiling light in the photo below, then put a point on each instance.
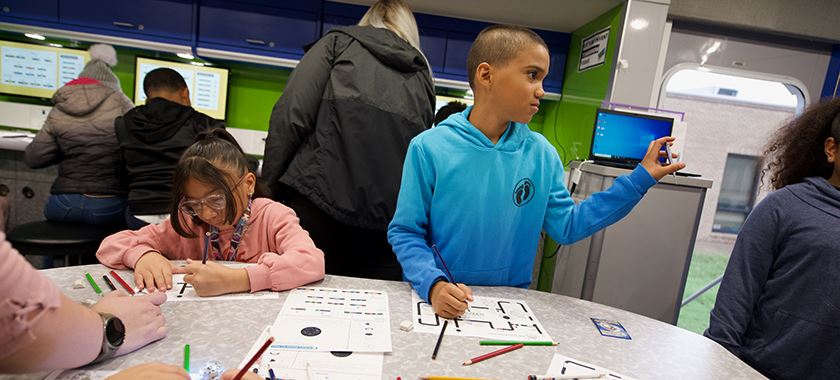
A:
(639, 24)
(55, 45)
(35, 36)
(197, 64)
(715, 46)
(185, 55)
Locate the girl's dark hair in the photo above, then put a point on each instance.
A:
(797, 150)
(209, 160)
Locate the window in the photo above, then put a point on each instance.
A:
(737, 193)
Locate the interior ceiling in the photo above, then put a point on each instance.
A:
(556, 15)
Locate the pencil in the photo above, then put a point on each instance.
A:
(271, 374)
(122, 282)
(206, 246)
(108, 281)
(512, 342)
(187, 357)
(440, 339)
(493, 354)
(253, 359)
(448, 273)
(93, 284)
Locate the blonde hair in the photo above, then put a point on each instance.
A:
(395, 16)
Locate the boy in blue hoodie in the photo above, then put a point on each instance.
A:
(480, 186)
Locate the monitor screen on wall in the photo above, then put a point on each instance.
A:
(208, 85)
(38, 70)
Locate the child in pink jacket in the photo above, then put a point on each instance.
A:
(216, 214)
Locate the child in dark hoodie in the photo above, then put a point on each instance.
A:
(152, 138)
(777, 308)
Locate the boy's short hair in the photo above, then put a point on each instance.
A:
(498, 44)
(163, 79)
(447, 110)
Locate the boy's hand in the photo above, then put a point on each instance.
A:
(449, 300)
(213, 279)
(651, 161)
(153, 271)
(151, 371)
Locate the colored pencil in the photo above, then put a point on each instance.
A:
(512, 342)
(450, 278)
(93, 284)
(206, 246)
(493, 354)
(596, 375)
(187, 357)
(440, 339)
(271, 374)
(445, 268)
(122, 282)
(253, 359)
(108, 281)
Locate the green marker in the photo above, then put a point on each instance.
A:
(93, 284)
(511, 343)
(187, 357)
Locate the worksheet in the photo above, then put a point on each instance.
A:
(314, 365)
(487, 317)
(563, 365)
(326, 319)
(182, 291)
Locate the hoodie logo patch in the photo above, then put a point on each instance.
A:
(523, 192)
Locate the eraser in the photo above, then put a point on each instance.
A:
(88, 302)
(406, 326)
(79, 284)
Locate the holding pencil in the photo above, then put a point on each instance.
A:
(443, 295)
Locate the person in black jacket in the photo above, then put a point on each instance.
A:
(339, 133)
(152, 138)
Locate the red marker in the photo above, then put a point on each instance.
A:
(122, 282)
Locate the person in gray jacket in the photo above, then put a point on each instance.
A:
(339, 133)
(777, 308)
(79, 136)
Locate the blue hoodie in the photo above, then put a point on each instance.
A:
(484, 205)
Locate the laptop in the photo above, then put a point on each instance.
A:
(621, 139)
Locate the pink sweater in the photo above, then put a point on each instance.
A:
(25, 295)
(286, 255)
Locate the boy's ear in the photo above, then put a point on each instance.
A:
(484, 74)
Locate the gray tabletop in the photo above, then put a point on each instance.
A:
(225, 330)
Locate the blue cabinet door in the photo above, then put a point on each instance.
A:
(43, 10)
(457, 47)
(433, 44)
(256, 27)
(160, 18)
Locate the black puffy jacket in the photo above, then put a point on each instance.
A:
(340, 131)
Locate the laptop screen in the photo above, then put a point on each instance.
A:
(623, 137)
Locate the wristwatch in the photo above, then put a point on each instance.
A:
(112, 338)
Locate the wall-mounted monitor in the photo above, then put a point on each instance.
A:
(208, 85)
(38, 70)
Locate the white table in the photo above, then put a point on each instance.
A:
(225, 330)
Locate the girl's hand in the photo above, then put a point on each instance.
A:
(213, 279)
(151, 371)
(153, 271)
(651, 161)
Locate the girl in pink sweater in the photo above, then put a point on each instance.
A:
(216, 212)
